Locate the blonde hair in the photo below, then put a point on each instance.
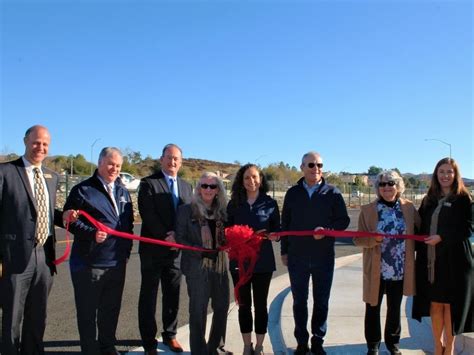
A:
(390, 175)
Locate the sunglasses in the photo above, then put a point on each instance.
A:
(389, 183)
(207, 186)
(312, 165)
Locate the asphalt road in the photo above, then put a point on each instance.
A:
(61, 335)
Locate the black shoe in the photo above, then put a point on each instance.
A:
(373, 352)
(317, 349)
(301, 349)
(394, 349)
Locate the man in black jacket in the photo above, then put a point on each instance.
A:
(98, 260)
(311, 205)
(158, 197)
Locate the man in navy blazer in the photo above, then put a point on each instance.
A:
(158, 197)
(98, 260)
(27, 260)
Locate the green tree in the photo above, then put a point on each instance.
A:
(82, 166)
(374, 170)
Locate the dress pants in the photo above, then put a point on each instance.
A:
(98, 295)
(394, 292)
(300, 270)
(24, 298)
(154, 270)
(205, 284)
(257, 286)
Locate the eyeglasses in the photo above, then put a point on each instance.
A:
(389, 183)
(207, 186)
(312, 165)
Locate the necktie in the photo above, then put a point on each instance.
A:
(174, 192)
(110, 191)
(42, 225)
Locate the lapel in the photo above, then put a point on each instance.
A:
(51, 188)
(24, 178)
(166, 187)
(164, 183)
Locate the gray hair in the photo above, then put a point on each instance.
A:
(171, 145)
(390, 175)
(308, 154)
(219, 204)
(106, 151)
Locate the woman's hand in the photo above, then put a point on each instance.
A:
(273, 237)
(318, 236)
(433, 239)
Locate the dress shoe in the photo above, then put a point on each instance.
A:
(173, 345)
(301, 349)
(151, 352)
(317, 349)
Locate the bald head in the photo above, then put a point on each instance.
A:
(37, 140)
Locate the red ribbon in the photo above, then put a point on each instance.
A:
(243, 245)
(102, 227)
(350, 234)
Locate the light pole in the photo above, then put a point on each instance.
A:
(92, 149)
(72, 165)
(439, 140)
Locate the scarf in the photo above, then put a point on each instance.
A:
(220, 264)
(431, 252)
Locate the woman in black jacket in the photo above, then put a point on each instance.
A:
(250, 205)
(444, 263)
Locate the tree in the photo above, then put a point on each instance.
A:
(358, 181)
(374, 170)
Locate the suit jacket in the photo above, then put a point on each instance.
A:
(156, 207)
(18, 217)
(91, 197)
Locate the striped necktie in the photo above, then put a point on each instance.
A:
(42, 225)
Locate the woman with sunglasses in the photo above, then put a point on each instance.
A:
(444, 262)
(201, 224)
(250, 205)
(388, 263)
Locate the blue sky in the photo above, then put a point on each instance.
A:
(362, 82)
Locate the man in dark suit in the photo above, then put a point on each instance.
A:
(98, 260)
(27, 244)
(158, 197)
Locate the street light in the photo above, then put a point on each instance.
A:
(92, 149)
(439, 140)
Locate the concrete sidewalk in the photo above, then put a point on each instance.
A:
(346, 320)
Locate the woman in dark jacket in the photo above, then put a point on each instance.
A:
(201, 224)
(250, 205)
(444, 263)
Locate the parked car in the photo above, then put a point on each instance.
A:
(130, 181)
(357, 193)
